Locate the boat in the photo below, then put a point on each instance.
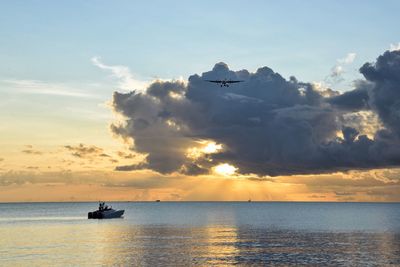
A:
(105, 212)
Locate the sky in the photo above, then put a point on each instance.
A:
(107, 100)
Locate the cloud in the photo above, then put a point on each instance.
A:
(24, 177)
(122, 73)
(272, 126)
(32, 167)
(317, 196)
(46, 88)
(394, 47)
(143, 182)
(32, 152)
(384, 76)
(131, 167)
(33, 185)
(125, 155)
(350, 57)
(343, 193)
(365, 122)
(385, 192)
(352, 101)
(337, 71)
(85, 151)
(340, 181)
(105, 178)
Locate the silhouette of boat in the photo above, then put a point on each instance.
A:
(105, 212)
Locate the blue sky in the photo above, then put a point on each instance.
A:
(54, 41)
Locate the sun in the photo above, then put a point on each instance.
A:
(225, 169)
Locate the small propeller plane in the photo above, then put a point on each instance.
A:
(224, 82)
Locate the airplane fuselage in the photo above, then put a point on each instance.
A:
(224, 83)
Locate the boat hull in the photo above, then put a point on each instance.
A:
(106, 214)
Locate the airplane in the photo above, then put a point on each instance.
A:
(224, 82)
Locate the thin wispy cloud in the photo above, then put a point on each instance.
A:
(335, 77)
(350, 57)
(45, 88)
(123, 74)
(84, 151)
(32, 152)
(338, 69)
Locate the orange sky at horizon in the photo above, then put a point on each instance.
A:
(36, 185)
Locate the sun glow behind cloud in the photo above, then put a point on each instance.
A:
(211, 147)
(225, 169)
(205, 147)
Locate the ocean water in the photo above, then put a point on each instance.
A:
(201, 234)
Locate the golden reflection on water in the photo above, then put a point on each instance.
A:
(221, 247)
(138, 246)
(113, 243)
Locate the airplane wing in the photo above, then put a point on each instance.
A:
(234, 81)
(214, 81)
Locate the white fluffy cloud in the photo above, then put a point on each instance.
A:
(394, 47)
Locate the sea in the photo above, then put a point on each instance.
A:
(201, 234)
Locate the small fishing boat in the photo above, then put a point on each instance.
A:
(105, 212)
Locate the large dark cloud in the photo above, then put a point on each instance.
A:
(385, 94)
(353, 100)
(267, 125)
